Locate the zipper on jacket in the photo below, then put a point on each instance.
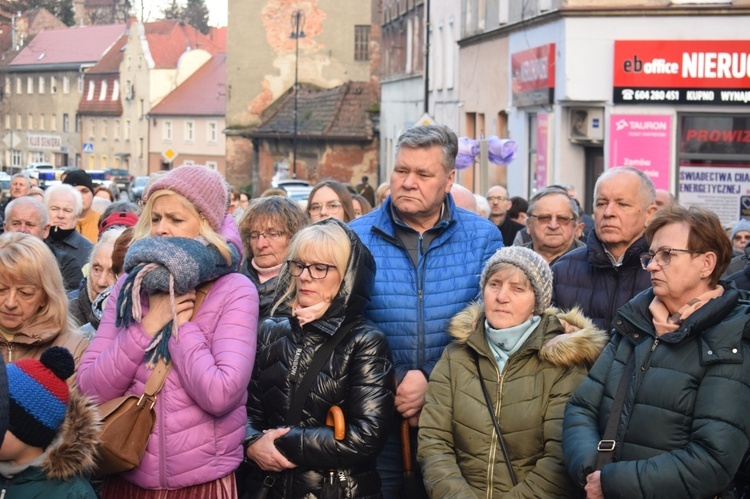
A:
(494, 441)
(5, 488)
(656, 342)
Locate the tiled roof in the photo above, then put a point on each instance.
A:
(80, 44)
(110, 61)
(168, 40)
(98, 99)
(203, 94)
(338, 113)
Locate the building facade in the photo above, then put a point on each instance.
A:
(333, 43)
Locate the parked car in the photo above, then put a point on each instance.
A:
(100, 177)
(33, 169)
(297, 190)
(135, 188)
(5, 183)
(119, 176)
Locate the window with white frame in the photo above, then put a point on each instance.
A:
(212, 165)
(8, 86)
(212, 132)
(16, 159)
(30, 122)
(103, 91)
(116, 131)
(41, 121)
(19, 121)
(38, 157)
(53, 84)
(90, 94)
(53, 122)
(127, 130)
(80, 84)
(78, 123)
(188, 162)
(166, 131)
(66, 85)
(29, 85)
(92, 128)
(66, 123)
(189, 131)
(19, 88)
(105, 129)
(41, 84)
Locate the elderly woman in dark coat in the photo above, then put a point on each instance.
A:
(682, 428)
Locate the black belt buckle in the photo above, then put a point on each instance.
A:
(606, 446)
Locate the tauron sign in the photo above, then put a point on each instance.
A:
(684, 72)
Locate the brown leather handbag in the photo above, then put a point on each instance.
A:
(128, 421)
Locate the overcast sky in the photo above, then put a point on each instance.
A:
(217, 9)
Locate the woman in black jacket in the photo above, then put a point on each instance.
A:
(332, 276)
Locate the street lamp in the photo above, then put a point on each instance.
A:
(298, 24)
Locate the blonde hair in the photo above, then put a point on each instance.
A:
(142, 229)
(324, 242)
(27, 259)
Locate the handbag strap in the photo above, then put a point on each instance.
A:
(606, 447)
(316, 364)
(158, 376)
(490, 408)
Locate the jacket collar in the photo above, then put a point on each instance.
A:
(598, 256)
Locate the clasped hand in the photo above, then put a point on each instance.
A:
(265, 454)
(160, 312)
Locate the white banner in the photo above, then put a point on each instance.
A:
(38, 141)
(718, 188)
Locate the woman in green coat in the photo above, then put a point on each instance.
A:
(531, 360)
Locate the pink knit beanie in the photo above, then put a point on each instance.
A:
(203, 187)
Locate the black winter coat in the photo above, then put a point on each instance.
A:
(586, 278)
(267, 291)
(359, 377)
(684, 426)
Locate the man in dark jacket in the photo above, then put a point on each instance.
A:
(30, 216)
(607, 273)
(429, 257)
(500, 203)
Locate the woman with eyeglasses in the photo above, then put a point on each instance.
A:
(266, 229)
(331, 277)
(663, 412)
(330, 199)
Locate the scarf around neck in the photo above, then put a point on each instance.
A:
(666, 323)
(268, 273)
(173, 265)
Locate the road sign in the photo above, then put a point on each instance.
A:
(88, 147)
(11, 140)
(170, 154)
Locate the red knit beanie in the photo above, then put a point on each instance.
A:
(203, 187)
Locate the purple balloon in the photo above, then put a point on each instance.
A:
(468, 149)
(501, 151)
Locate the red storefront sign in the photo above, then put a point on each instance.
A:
(685, 72)
(533, 75)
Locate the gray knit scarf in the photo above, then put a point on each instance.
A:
(173, 265)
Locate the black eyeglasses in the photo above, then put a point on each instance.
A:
(316, 270)
(662, 256)
(561, 220)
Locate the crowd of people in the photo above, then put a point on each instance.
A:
(412, 339)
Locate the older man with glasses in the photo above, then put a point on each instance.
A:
(553, 223)
(500, 203)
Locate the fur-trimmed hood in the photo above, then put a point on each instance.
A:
(75, 449)
(570, 338)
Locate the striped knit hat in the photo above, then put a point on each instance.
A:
(39, 396)
(534, 266)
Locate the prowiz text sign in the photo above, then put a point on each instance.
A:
(683, 72)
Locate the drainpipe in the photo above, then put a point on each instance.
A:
(427, 58)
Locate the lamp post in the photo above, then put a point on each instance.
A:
(298, 24)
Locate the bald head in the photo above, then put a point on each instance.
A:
(464, 198)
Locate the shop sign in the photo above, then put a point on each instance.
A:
(39, 141)
(703, 72)
(715, 134)
(643, 141)
(533, 76)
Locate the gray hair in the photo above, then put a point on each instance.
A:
(549, 190)
(29, 201)
(107, 237)
(23, 176)
(647, 190)
(426, 136)
(65, 189)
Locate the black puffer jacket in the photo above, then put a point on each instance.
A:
(268, 292)
(358, 377)
(684, 427)
(586, 278)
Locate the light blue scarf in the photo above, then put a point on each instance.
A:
(505, 342)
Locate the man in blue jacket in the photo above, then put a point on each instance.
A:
(607, 273)
(429, 255)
